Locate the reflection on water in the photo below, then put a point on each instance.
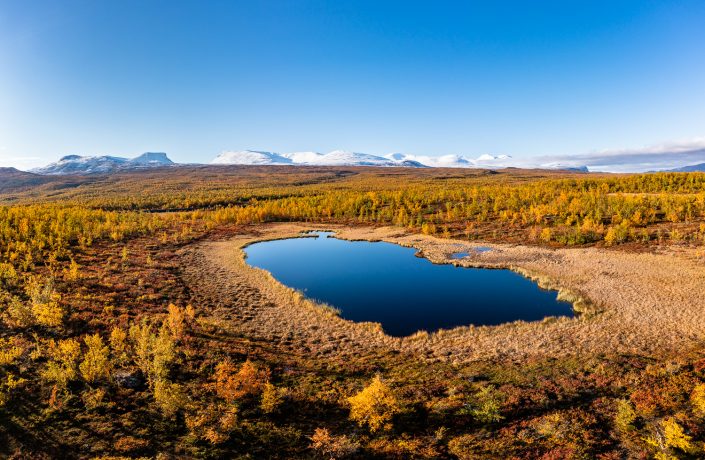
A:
(385, 283)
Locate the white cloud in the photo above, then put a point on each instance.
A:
(668, 147)
(649, 158)
(7, 159)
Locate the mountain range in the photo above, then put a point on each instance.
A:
(345, 158)
(334, 158)
(82, 165)
(86, 165)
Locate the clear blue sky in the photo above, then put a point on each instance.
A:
(194, 78)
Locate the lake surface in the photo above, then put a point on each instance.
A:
(388, 284)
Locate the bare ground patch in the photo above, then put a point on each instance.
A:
(652, 303)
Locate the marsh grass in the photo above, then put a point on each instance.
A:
(616, 306)
(581, 304)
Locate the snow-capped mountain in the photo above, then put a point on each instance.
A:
(304, 158)
(346, 158)
(343, 157)
(152, 159)
(455, 161)
(250, 157)
(334, 158)
(81, 165)
(562, 167)
(76, 164)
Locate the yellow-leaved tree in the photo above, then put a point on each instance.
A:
(272, 398)
(170, 397)
(675, 436)
(46, 305)
(670, 436)
(119, 345)
(176, 321)
(61, 366)
(96, 361)
(697, 399)
(374, 406)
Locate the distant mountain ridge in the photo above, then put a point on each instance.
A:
(334, 158)
(666, 158)
(691, 168)
(346, 158)
(76, 164)
(105, 164)
(12, 179)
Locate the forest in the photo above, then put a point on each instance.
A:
(106, 353)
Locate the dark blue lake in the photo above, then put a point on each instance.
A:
(388, 284)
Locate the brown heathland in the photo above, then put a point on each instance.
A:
(132, 327)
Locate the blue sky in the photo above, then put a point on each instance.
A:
(523, 78)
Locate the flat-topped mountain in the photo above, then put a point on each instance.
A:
(76, 164)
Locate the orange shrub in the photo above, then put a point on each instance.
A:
(249, 380)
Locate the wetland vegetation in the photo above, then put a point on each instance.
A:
(385, 283)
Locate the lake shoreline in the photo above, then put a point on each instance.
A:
(397, 287)
(630, 310)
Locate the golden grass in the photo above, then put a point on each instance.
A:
(631, 302)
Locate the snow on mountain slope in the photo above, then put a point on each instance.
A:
(334, 158)
(250, 157)
(79, 165)
(452, 161)
(397, 156)
(75, 164)
(304, 158)
(455, 161)
(347, 158)
(152, 159)
(343, 157)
